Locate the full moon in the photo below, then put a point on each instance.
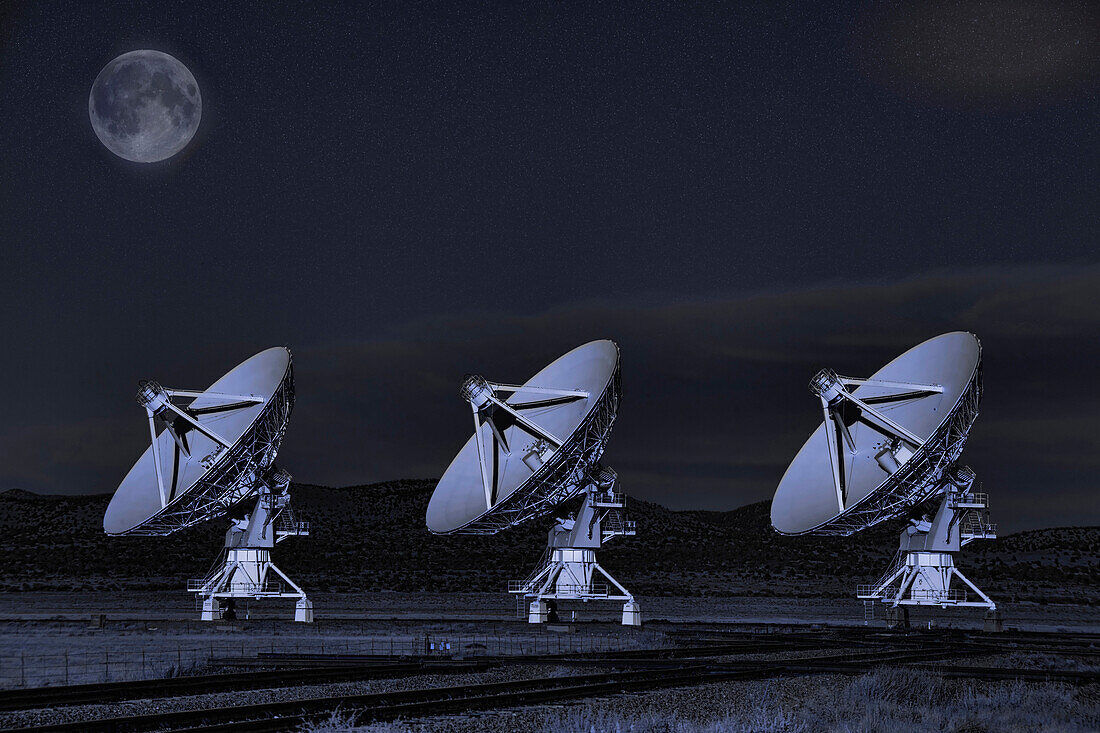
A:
(145, 106)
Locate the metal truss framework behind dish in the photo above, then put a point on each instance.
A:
(918, 478)
(214, 494)
(563, 477)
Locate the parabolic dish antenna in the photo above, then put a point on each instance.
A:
(215, 451)
(531, 451)
(535, 449)
(885, 441)
(209, 459)
(889, 443)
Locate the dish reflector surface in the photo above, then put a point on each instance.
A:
(806, 499)
(213, 478)
(532, 477)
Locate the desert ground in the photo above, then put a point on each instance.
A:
(54, 638)
(83, 608)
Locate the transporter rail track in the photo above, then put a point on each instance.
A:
(643, 670)
(38, 697)
(286, 670)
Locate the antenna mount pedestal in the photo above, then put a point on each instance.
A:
(570, 571)
(245, 570)
(924, 567)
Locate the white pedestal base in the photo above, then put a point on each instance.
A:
(924, 572)
(538, 612)
(569, 571)
(303, 611)
(211, 609)
(632, 614)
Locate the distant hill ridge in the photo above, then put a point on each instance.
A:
(373, 538)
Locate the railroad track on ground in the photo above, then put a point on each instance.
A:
(1074, 643)
(289, 669)
(644, 670)
(289, 715)
(38, 697)
(281, 716)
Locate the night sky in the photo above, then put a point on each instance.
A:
(404, 194)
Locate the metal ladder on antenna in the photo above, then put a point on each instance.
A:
(868, 612)
(875, 591)
(515, 586)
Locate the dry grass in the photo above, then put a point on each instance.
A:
(885, 701)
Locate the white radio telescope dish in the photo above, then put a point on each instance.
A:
(890, 440)
(887, 444)
(535, 446)
(207, 461)
(210, 451)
